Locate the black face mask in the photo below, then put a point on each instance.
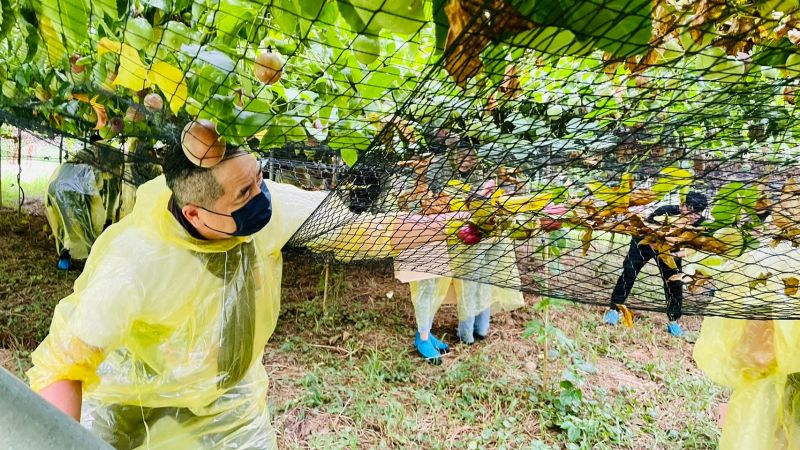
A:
(251, 217)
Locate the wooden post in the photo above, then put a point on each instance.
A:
(327, 263)
(21, 197)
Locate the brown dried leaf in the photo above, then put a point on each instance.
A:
(511, 86)
(760, 280)
(668, 260)
(471, 30)
(641, 197)
(790, 286)
(586, 240)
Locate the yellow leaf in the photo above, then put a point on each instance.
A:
(586, 240)
(627, 315)
(106, 45)
(132, 72)
(52, 38)
(668, 260)
(524, 203)
(671, 178)
(172, 83)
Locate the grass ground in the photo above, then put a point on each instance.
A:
(345, 376)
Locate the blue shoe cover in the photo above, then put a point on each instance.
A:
(64, 263)
(437, 344)
(465, 332)
(675, 329)
(427, 350)
(482, 324)
(611, 317)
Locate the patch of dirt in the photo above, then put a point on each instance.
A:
(30, 284)
(7, 360)
(614, 377)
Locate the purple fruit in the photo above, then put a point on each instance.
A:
(469, 234)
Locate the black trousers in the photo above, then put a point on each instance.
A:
(637, 257)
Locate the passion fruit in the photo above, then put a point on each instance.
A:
(153, 102)
(202, 144)
(269, 67)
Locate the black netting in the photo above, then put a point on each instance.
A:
(559, 130)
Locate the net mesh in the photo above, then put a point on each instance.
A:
(581, 137)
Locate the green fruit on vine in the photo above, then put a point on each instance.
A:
(174, 35)
(367, 49)
(269, 67)
(793, 65)
(554, 111)
(709, 57)
(728, 71)
(138, 33)
(397, 16)
(9, 89)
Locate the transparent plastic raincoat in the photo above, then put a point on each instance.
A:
(759, 360)
(166, 332)
(75, 208)
(485, 260)
(488, 259)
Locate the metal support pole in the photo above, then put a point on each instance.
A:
(21, 197)
(271, 165)
(27, 421)
(1, 172)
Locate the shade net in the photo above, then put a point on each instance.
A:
(565, 130)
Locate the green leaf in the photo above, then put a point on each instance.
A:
(622, 27)
(285, 14)
(231, 16)
(349, 156)
(442, 23)
(351, 17)
(8, 18)
(727, 209)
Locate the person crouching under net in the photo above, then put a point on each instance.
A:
(474, 301)
(80, 203)
(638, 255)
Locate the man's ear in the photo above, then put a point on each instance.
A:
(191, 213)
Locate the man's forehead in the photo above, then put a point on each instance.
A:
(236, 171)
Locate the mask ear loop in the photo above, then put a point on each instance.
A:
(219, 214)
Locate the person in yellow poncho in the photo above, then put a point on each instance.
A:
(160, 344)
(495, 261)
(758, 360)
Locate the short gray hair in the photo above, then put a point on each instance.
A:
(191, 184)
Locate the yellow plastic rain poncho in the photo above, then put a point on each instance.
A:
(168, 331)
(759, 360)
(75, 208)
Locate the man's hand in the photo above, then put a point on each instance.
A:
(66, 396)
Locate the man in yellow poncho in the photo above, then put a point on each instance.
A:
(160, 344)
